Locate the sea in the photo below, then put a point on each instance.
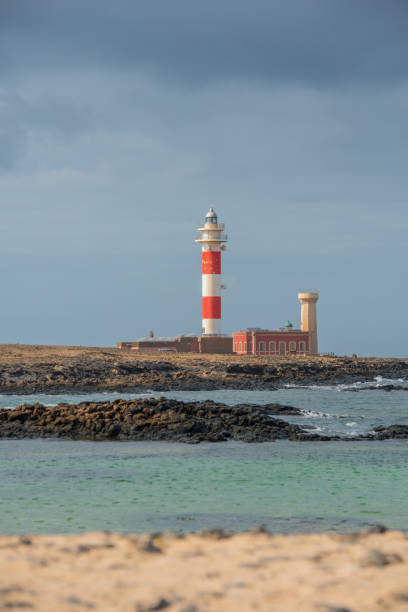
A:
(63, 486)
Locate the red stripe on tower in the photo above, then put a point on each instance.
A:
(212, 307)
(211, 262)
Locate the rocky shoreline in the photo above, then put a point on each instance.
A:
(34, 369)
(149, 419)
(168, 420)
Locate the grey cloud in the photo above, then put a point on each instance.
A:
(319, 43)
(295, 155)
(121, 121)
(45, 109)
(27, 113)
(12, 146)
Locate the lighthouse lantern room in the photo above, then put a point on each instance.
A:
(212, 239)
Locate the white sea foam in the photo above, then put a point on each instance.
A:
(310, 387)
(388, 381)
(312, 413)
(378, 381)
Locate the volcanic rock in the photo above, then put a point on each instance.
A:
(149, 419)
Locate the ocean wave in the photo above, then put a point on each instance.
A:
(377, 382)
(336, 387)
(314, 414)
(389, 381)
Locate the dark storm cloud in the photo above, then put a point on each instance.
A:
(19, 116)
(319, 43)
(121, 121)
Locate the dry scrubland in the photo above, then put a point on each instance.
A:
(205, 573)
(25, 369)
(36, 353)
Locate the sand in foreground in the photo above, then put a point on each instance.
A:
(205, 573)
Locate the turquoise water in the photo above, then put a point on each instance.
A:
(65, 486)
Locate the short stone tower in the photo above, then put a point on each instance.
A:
(308, 318)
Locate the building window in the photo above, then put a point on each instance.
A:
(262, 347)
(249, 347)
(292, 347)
(302, 347)
(240, 347)
(282, 348)
(272, 347)
(245, 347)
(235, 347)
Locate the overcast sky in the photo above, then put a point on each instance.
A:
(121, 122)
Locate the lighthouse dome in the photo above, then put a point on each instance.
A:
(211, 216)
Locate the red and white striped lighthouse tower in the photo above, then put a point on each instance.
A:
(212, 238)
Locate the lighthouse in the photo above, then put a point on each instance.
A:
(212, 239)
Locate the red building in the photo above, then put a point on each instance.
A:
(285, 341)
(181, 344)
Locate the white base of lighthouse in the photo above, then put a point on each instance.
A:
(211, 327)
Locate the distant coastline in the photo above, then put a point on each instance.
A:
(54, 369)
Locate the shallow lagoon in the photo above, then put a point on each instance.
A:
(65, 486)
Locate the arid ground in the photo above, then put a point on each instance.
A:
(33, 368)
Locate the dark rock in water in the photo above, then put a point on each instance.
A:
(150, 419)
(376, 529)
(274, 409)
(392, 431)
(167, 420)
(311, 437)
(386, 388)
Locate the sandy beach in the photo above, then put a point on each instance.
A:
(205, 572)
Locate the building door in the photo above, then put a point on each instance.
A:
(282, 348)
